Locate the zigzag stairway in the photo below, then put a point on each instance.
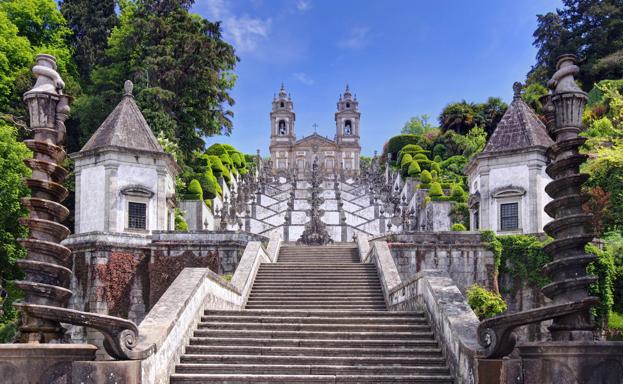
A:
(318, 315)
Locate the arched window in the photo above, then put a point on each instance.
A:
(282, 127)
(347, 105)
(348, 128)
(282, 104)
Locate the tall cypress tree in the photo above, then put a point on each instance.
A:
(91, 23)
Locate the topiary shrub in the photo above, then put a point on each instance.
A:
(458, 227)
(218, 169)
(484, 303)
(458, 194)
(414, 169)
(396, 143)
(216, 149)
(404, 165)
(226, 160)
(180, 222)
(194, 190)
(420, 156)
(237, 160)
(435, 190)
(426, 177)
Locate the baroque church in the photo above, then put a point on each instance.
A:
(340, 155)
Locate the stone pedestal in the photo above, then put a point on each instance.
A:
(42, 363)
(581, 362)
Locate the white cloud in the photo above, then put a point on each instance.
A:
(357, 38)
(245, 31)
(303, 78)
(303, 5)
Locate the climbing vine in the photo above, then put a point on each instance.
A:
(523, 258)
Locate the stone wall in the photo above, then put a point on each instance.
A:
(462, 254)
(125, 275)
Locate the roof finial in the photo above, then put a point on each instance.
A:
(347, 88)
(517, 90)
(283, 88)
(127, 88)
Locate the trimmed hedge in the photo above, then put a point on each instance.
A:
(426, 177)
(414, 169)
(435, 190)
(458, 227)
(194, 190)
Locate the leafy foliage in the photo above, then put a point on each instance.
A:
(418, 125)
(461, 117)
(181, 68)
(12, 170)
(523, 258)
(484, 303)
(592, 29)
(91, 22)
(457, 227)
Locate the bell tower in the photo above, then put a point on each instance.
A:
(282, 137)
(347, 131)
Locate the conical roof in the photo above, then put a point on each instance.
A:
(519, 128)
(125, 127)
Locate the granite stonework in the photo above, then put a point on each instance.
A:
(125, 275)
(454, 323)
(42, 363)
(463, 255)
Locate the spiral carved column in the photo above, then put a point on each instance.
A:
(571, 227)
(46, 267)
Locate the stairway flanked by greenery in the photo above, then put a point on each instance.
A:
(317, 315)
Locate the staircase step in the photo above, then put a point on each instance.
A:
(318, 306)
(317, 319)
(308, 313)
(309, 360)
(319, 343)
(324, 351)
(274, 334)
(316, 369)
(326, 379)
(315, 327)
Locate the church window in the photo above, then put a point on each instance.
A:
(282, 127)
(509, 216)
(282, 104)
(137, 215)
(347, 105)
(348, 128)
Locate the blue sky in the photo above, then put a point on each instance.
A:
(402, 58)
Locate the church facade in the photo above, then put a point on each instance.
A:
(340, 155)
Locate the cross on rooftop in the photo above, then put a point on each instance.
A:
(315, 127)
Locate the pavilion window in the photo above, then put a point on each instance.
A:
(509, 216)
(137, 215)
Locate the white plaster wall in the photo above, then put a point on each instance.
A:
(91, 208)
(133, 175)
(516, 176)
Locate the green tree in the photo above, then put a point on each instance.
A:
(12, 170)
(91, 23)
(418, 125)
(181, 68)
(592, 29)
(27, 28)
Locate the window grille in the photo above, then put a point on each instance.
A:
(509, 216)
(137, 216)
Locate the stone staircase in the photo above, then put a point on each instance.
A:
(316, 316)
